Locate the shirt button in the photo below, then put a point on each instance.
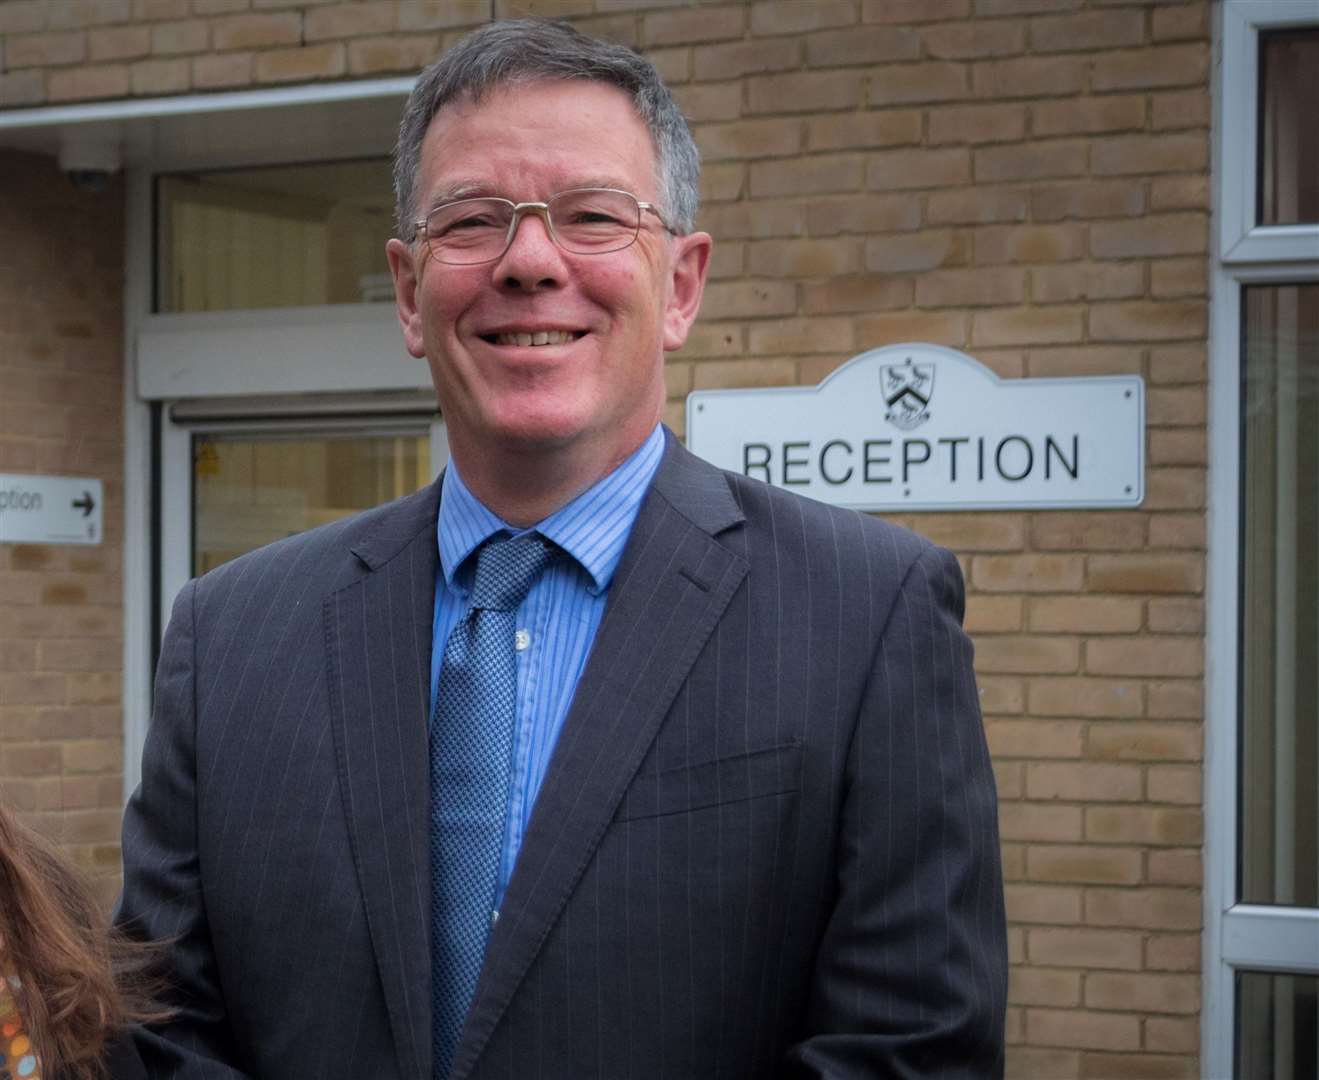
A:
(521, 640)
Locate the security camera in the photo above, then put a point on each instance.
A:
(89, 161)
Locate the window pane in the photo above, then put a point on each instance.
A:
(1289, 134)
(1277, 1026)
(1280, 600)
(274, 237)
(250, 490)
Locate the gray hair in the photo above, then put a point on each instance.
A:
(525, 50)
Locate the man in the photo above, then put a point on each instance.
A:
(703, 792)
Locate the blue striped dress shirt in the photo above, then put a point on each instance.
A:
(558, 620)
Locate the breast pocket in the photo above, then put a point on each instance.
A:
(774, 770)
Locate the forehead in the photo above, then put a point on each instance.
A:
(529, 140)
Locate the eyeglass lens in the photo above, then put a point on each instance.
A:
(586, 221)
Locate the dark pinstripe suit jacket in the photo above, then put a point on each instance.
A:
(765, 846)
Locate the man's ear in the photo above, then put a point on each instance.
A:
(405, 264)
(691, 262)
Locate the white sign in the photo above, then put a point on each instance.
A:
(922, 427)
(50, 509)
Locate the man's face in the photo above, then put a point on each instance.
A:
(596, 389)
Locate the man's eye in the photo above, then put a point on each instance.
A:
(465, 222)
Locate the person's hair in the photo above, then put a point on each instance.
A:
(80, 982)
(526, 50)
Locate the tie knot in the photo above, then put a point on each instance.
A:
(506, 570)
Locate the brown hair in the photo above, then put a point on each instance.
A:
(81, 981)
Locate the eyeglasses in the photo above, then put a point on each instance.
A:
(584, 221)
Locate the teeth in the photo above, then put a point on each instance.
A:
(539, 337)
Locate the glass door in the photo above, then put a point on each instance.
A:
(230, 486)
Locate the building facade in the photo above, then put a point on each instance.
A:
(194, 312)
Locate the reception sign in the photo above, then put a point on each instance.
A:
(50, 509)
(922, 427)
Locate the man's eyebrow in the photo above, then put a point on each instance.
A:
(473, 189)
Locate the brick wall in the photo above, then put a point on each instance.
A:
(61, 607)
(1025, 180)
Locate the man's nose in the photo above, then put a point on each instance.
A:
(532, 258)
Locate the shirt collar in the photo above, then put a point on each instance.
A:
(593, 528)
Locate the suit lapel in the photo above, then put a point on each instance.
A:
(378, 645)
(672, 586)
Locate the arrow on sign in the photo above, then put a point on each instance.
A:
(86, 504)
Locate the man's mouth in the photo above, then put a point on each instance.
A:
(535, 337)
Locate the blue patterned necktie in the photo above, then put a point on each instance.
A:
(471, 751)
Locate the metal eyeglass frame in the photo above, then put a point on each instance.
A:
(541, 209)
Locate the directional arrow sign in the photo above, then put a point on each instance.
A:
(50, 509)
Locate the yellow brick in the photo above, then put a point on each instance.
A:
(42, 50)
(1085, 948)
(970, 288)
(1030, 77)
(1179, 277)
(990, 614)
(118, 43)
(936, 327)
(1036, 986)
(722, 374)
(905, 84)
(860, 292)
(1167, 65)
(738, 58)
(1176, 867)
(256, 31)
(1027, 573)
(902, 170)
(1177, 615)
(1028, 326)
(87, 82)
(1033, 738)
(686, 27)
(701, 102)
(798, 16)
(1037, 1061)
(1165, 656)
(1029, 821)
(811, 91)
(22, 88)
(1173, 952)
(1079, 1028)
(748, 299)
(1144, 574)
(1088, 30)
(1181, 700)
(1085, 614)
(391, 54)
(1073, 116)
(160, 76)
(971, 532)
(1181, 109)
(1049, 904)
(1148, 321)
(756, 220)
(713, 340)
(1081, 864)
(1143, 992)
(1181, 21)
(973, 40)
(1029, 244)
(223, 70)
(1084, 696)
(1031, 161)
(862, 214)
(1143, 825)
(23, 16)
(442, 15)
(795, 336)
(1105, 1066)
(1026, 655)
(749, 139)
(1133, 741)
(902, 11)
(807, 176)
(977, 205)
(864, 45)
(191, 36)
(925, 250)
(1144, 908)
(1180, 193)
(863, 130)
(1173, 1035)
(1084, 782)
(294, 65)
(1088, 199)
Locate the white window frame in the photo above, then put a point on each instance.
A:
(1237, 936)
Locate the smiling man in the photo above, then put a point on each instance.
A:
(590, 760)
